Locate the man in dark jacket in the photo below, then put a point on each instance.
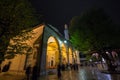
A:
(28, 72)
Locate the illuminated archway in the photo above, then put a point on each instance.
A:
(74, 57)
(52, 58)
(70, 56)
(64, 54)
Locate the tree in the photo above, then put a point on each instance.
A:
(15, 16)
(94, 31)
(96, 28)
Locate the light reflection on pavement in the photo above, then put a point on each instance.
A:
(84, 73)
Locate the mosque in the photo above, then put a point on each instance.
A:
(46, 48)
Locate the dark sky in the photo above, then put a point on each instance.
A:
(59, 12)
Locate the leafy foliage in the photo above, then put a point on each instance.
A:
(15, 16)
(94, 30)
(19, 43)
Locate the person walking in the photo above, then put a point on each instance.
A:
(28, 72)
(34, 73)
(59, 71)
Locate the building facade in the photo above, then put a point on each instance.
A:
(47, 48)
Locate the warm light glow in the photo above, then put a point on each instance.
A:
(52, 53)
(18, 62)
(70, 56)
(64, 54)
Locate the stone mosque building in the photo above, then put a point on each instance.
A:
(46, 49)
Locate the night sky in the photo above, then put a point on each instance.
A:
(60, 12)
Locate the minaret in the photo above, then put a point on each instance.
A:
(67, 43)
(66, 32)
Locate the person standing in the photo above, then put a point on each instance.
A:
(34, 73)
(59, 71)
(28, 72)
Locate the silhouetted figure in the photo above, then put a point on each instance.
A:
(59, 71)
(63, 67)
(71, 66)
(34, 73)
(76, 65)
(6, 67)
(28, 72)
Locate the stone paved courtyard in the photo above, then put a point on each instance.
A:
(84, 73)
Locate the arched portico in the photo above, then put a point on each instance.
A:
(52, 57)
(76, 57)
(50, 53)
(70, 56)
(64, 54)
(48, 50)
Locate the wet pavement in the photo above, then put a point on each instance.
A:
(84, 73)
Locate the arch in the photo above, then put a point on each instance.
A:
(52, 56)
(75, 56)
(70, 56)
(64, 54)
